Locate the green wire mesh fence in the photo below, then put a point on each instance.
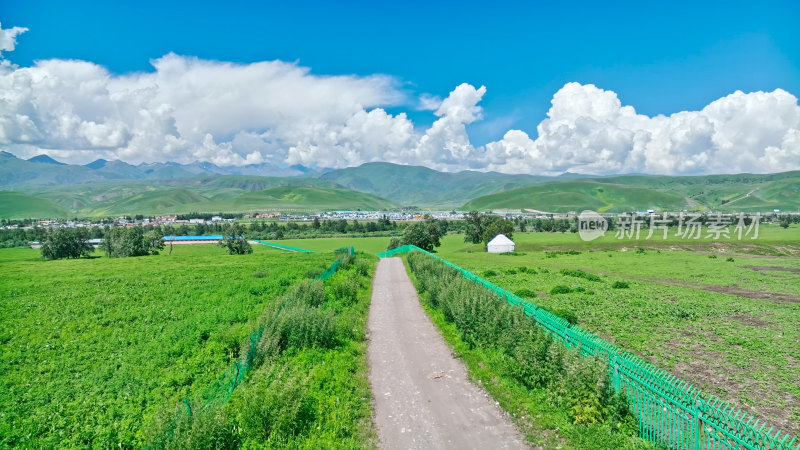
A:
(285, 248)
(672, 413)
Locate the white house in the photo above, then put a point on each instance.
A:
(500, 244)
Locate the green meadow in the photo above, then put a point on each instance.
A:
(721, 315)
(93, 348)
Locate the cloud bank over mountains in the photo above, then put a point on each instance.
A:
(189, 109)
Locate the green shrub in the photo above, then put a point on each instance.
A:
(580, 274)
(259, 274)
(345, 290)
(712, 256)
(277, 409)
(560, 289)
(311, 293)
(729, 259)
(511, 272)
(363, 267)
(489, 273)
(620, 285)
(525, 293)
(640, 251)
(566, 314)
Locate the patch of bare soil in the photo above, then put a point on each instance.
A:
(730, 290)
(749, 320)
(712, 372)
(773, 268)
(749, 293)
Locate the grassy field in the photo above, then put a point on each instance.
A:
(370, 245)
(91, 348)
(720, 315)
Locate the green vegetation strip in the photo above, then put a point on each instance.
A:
(296, 383)
(284, 247)
(670, 412)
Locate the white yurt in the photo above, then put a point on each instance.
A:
(500, 244)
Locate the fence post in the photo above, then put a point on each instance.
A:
(236, 378)
(697, 424)
(617, 383)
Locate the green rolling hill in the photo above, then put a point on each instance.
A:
(16, 205)
(304, 198)
(230, 193)
(160, 201)
(580, 195)
(421, 186)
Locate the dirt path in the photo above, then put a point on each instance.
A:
(423, 399)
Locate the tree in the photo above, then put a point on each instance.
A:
(67, 243)
(475, 223)
(233, 240)
(784, 222)
(155, 241)
(497, 225)
(122, 242)
(484, 227)
(424, 235)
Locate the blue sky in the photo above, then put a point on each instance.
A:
(659, 57)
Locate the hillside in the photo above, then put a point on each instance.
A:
(421, 186)
(580, 195)
(229, 193)
(15, 205)
(304, 198)
(741, 192)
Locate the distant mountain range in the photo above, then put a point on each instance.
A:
(43, 170)
(44, 187)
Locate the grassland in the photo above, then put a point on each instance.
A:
(721, 315)
(91, 349)
(370, 245)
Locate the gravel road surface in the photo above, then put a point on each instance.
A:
(423, 399)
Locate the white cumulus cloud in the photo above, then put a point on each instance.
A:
(188, 109)
(588, 130)
(8, 38)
